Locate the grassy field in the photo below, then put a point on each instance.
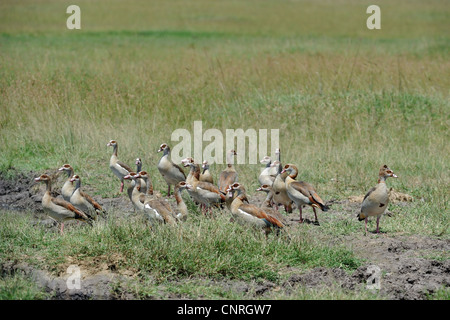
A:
(345, 99)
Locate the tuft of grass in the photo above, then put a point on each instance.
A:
(20, 287)
(441, 294)
(332, 292)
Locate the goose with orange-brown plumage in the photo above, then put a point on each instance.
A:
(68, 187)
(229, 175)
(301, 192)
(119, 168)
(205, 193)
(59, 209)
(250, 214)
(81, 200)
(171, 172)
(376, 200)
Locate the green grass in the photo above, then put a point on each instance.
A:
(201, 248)
(441, 294)
(345, 99)
(213, 248)
(20, 287)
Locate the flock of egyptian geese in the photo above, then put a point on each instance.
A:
(277, 181)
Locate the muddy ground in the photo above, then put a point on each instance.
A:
(406, 265)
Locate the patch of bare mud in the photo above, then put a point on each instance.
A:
(403, 268)
(24, 195)
(98, 286)
(20, 193)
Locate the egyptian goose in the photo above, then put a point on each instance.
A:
(136, 196)
(206, 175)
(376, 200)
(68, 187)
(231, 195)
(266, 205)
(140, 200)
(229, 175)
(119, 168)
(280, 196)
(249, 213)
(81, 200)
(185, 162)
(190, 178)
(302, 193)
(155, 208)
(143, 187)
(171, 172)
(205, 193)
(182, 211)
(133, 182)
(59, 209)
(268, 174)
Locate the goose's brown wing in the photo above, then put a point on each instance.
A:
(261, 214)
(67, 205)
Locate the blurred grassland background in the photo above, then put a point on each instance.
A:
(345, 98)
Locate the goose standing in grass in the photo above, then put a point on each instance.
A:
(205, 193)
(280, 196)
(182, 211)
(143, 187)
(136, 196)
(266, 205)
(68, 187)
(171, 172)
(230, 195)
(190, 180)
(249, 213)
(119, 168)
(155, 208)
(206, 174)
(186, 163)
(81, 200)
(59, 209)
(131, 185)
(229, 175)
(302, 193)
(269, 173)
(376, 200)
